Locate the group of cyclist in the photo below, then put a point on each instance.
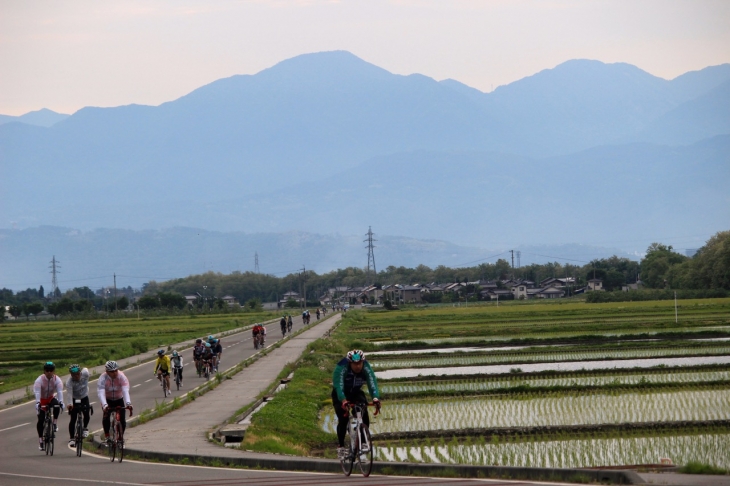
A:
(350, 374)
(209, 352)
(112, 390)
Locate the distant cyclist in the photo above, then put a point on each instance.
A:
(113, 391)
(177, 365)
(163, 367)
(282, 323)
(289, 323)
(350, 374)
(197, 353)
(48, 390)
(217, 349)
(77, 387)
(208, 355)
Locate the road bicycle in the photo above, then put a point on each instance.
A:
(178, 380)
(256, 341)
(283, 330)
(207, 369)
(289, 325)
(81, 409)
(163, 381)
(360, 443)
(116, 433)
(49, 433)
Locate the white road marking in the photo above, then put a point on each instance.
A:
(149, 380)
(14, 427)
(56, 478)
(138, 384)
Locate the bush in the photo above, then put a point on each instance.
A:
(694, 467)
(654, 294)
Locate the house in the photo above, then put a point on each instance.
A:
(550, 293)
(495, 294)
(561, 282)
(291, 295)
(633, 286)
(192, 299)
(594, 284)
(411, 293)
(230, 300)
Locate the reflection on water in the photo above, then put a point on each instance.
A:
(562, 366)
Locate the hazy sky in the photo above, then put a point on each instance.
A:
(64, 55)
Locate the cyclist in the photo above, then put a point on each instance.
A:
(289, 323)
(163, 368)
(350, 374)
(48, 390)
(282, 323)
(318, 314)
(113, 391)
(197, 353)
(217, 349)
(257, 330)
(208, 355)
(177, 364)
(77, 387)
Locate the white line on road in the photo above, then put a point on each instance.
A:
(138, 384)
(149, 380)
(56, 478)
(14, 427)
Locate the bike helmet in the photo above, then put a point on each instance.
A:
(49, 366)
(74, 368)
(111, 366)
(160, 352)
(207, 345)
(210, 338)
(355, 356)
(174, 353)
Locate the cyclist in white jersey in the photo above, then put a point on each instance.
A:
(113, 391)
(77, 387)
(48, 390)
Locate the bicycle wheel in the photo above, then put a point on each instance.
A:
(177, 379)
(47, 436)
(120, 441)
(365, 452)
(79, 439)
(348, 463)
(112, 444)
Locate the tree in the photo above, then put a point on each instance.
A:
(15, 311)
(148, 302)
(656, 264)
(32, 308)
(41, 292)
(172, 300)
(54, 309)
(122, 302)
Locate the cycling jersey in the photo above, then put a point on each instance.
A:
(109, 388)
(207, 354)
(177, 361)
(198, 349)
(346, 382)
(45, 390)
(217, 348)
(78, 389)
(163, 363)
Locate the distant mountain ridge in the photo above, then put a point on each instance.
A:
(41, 118)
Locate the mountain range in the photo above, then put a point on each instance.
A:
(605, 154)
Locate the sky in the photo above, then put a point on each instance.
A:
(64, 55)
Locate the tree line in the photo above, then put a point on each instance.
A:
(661, 268)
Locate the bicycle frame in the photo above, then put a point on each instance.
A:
(48, 433)
(79, 429)
(361, 446)
(116, 432)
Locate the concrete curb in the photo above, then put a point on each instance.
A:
(308, 464)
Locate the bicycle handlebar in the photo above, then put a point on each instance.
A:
(118, 408)
(367, 404)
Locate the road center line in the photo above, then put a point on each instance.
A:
(14, 427)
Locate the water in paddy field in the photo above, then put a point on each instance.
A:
(558, 366)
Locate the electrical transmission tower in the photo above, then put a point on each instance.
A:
(371, 254)
(256, 262)
(54, 280)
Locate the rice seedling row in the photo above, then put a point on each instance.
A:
(483, 385)
(713, 449)
(534, 410)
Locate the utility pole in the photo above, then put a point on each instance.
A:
(256, 262)
(116, 305)
(54, 280)
(371, 254)
(513, 264)
(304, 285)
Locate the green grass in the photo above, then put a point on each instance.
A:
(695, 467)
(26, 345)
